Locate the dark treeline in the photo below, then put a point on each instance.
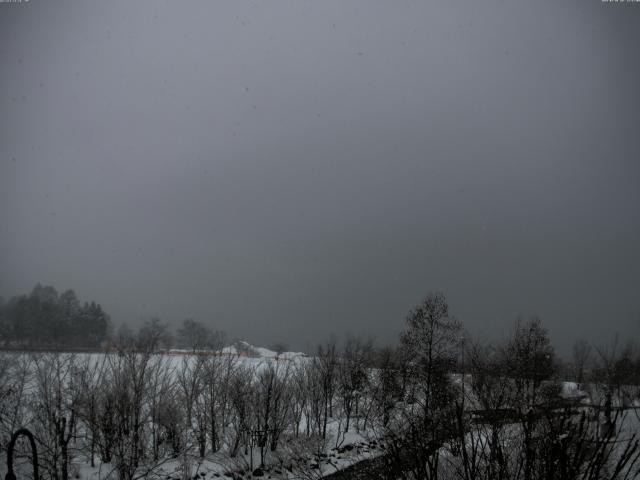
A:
(44, 319)
(47, 320)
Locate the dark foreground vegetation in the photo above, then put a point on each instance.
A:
(439, 405)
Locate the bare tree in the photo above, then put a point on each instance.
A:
(352, 376)
(240, 392)
(153, 335)
(529, 359)
(130, 372)
(580, 357)
(326, 369)
(160, 391)
(56, 402)
(215, 406)
(615, 380)
(15, 376)
(385, 387)
(190, 387)
(195, 335)
(92, 378)
(431, 340)
(300, 397)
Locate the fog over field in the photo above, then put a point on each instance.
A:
(283, 171)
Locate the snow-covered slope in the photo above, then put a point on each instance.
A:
(242, 348)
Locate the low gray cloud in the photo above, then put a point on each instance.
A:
(287, 170)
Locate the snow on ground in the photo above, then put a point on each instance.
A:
(295, 458)
(241, 349)
(337, 452)
(340, 450)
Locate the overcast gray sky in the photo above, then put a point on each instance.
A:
(284, 170)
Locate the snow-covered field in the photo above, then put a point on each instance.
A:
(238, 412)
(266, 376)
